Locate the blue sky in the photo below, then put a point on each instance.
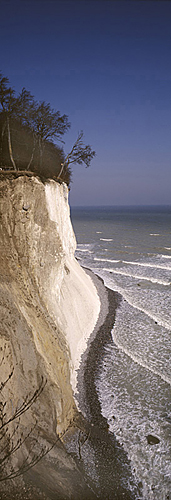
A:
(107, 65)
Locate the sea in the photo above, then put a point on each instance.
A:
(130, 249)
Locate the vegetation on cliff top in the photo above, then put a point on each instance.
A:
(29, 130)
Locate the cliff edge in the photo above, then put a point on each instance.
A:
(48, 307)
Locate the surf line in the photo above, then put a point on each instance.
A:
(138, 360)
(154, 318)
(119, 289)
(139, 277)
(106, 239)
(143, 264)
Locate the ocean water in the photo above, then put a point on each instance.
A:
(130, 248)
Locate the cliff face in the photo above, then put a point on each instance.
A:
(48, 304)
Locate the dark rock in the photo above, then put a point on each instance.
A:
(152, 439)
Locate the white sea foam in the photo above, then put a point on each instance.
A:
(84, 250)
(154, 234)
(147, 264)
(86, 245)
(141, 337)
(106, 239)
(137, 359)
(106, 260)
(135, 263)
(138, 301)
(146, 278)
(156, 317)
(135, 418)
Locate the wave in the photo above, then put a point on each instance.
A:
(131, 300)
(147, 264)
(143, 264)
(106, 239)
(154, 234)
(106, 260)
(84, 245)
(138, 360)
(84, 250)
(146, 278)
(154, 317)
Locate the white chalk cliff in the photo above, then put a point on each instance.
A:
(49, 305)
(71, 296)
(48, 308)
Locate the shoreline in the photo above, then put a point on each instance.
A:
(108, 457)
(99, 337)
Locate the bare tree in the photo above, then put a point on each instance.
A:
(7, 101)
(48, 125)
(79, 154)
(45, 123)
(12, 437)
(25, 109)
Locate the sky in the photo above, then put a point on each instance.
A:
(107, 65)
